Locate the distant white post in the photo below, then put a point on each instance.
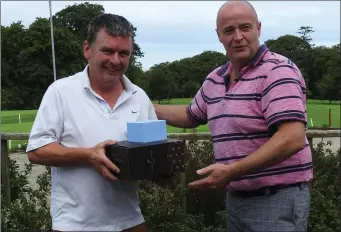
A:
(19, 119)
(52, 43)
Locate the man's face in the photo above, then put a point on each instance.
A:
(238, 30)
(108, 57)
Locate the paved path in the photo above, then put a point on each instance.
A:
(21, 159)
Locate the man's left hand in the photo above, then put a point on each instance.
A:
(219, 175)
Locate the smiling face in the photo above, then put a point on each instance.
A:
(108, 57)
(238, 30)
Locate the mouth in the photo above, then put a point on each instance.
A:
(112, 70)
(239, 47)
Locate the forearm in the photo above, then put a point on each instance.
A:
(280, 147)
(55, 154)
(175, 115)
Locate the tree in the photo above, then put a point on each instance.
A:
(77, 17)
(37, 58)
(329, 87)
(185, 76)
(159, 86)
(13, 40)
(27, 68)
(305, 32)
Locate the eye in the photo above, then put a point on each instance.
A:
(124, 54)
(106, 52)
(245, 27)
(228, 30)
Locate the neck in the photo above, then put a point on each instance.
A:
(107, 87)
(110, 92)
(236, 68)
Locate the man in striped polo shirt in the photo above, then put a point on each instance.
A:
(255, 107)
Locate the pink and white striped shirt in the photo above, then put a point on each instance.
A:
(241, 119)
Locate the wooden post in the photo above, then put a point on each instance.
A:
(183, 184)
(310, 140)
(5, 180)
(330, 118)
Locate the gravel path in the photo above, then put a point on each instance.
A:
(21, 158)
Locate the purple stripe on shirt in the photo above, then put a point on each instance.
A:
(240, 119)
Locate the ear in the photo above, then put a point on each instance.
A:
(86, 50)
(216, 30)
(259, 27)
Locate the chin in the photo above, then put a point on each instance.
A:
(241, 58)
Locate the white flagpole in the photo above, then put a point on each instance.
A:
(52, 43)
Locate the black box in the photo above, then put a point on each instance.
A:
(139, 161)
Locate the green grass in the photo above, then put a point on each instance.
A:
(316, 109)
(319, 112)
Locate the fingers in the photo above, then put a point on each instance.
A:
(107, 174)
(110, 165)
(206, 170)
(202, 183)
(108, 142)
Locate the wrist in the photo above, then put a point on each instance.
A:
(235, 170)
(88, 153)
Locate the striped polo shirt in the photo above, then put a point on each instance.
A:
(241, 119)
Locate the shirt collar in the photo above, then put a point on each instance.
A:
(259, 55)
(225, 69)
(128, 86)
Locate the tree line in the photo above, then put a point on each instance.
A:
(27, 69)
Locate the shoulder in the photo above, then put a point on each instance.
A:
(68, 81)
(217, 75)
(141, 94)
(277, 61)
(67, 85)
(277, 66)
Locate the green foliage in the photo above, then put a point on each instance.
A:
(77, 17)
(329, 86)
(29, 210)
(161, 206)
(27, 68)
(181, 78)
(325, 213)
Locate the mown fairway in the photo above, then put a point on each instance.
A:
(317, 111)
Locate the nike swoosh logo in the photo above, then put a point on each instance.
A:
(134, 112)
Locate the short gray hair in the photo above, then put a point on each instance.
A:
(114, 25)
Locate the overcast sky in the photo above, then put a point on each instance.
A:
(168, 31)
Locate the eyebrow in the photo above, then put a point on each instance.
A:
(239, 25)
(112, 50)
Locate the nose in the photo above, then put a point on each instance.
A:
(115, 58)
(238, 35)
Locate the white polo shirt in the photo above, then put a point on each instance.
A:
(72, 114)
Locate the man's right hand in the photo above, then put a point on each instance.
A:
(101, 162)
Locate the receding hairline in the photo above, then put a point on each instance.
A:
(234, 2)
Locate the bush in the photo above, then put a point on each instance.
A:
(325, 210)
(29, 210)
(161, 206)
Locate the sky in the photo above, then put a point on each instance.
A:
(172, 30)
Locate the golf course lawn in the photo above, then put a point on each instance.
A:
(318, 116)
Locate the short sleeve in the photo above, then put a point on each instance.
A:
(284, 95)
(48, 124)
(197, 108)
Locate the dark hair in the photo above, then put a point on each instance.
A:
(114, 25)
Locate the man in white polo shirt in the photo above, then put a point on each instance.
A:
(78, 117)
